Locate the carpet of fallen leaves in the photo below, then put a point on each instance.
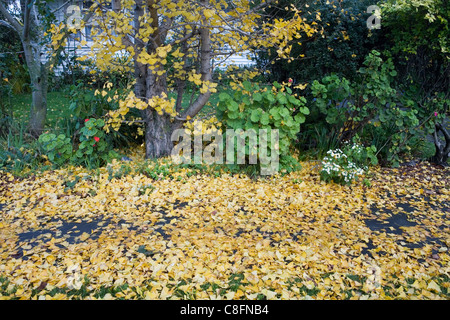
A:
(226, 237)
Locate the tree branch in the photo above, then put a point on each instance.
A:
(6, 24)
(205, 70)
(446, 134)
(186, 37)
(12, 21)
(26, 20)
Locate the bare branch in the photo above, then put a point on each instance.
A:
(185, 38)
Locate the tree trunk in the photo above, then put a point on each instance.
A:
(442, 150)
(159, 128)
(158, 132)
(38, 112)
(31, 37)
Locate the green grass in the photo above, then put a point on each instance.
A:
(57, 107)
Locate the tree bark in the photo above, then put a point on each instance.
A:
(158, 132)
(442, 150)
(38, 112)
(39, 85)
(159, 127)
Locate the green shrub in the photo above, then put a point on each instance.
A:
(88, 103)
(356, 107)
(93, 149)
(361, 156)
(339, 47)
(19, 154)
(255, 108)
(123, 171)
(57, 148)
(20, 160)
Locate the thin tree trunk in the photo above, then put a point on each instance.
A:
(38, 112)
(39, 85)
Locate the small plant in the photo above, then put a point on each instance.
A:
(337, 167)
(124, 170)
(57, 148)
(360, 155)
(69, 185)
(346, 166)
(93, 149)
(146, 189)
(156, 171)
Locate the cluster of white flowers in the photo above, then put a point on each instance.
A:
(336, 164)
(336, 154)
(328, 166)
(357, 148)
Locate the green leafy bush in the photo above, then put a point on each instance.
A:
(93, 149)
(339, 47)
(58, 148)
(21, 161)
(86, 102)
(416, 33)
(354, 107)
(255, 108)
(360, 155)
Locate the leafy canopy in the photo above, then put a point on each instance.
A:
(163, 39)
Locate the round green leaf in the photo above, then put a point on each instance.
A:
(257, 96)
(265, 119)
(223, 96)
(232, 106)
(256, 115)
(304, 110)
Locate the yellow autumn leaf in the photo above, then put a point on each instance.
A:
(151, 295)
(269, 294)
(208, 13)
(84, 236)
(433, 285)
(50, 258)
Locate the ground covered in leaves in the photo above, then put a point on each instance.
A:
(120, 232)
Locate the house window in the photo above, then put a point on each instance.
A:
(86, 4)
(76, 36)
(87, 33)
